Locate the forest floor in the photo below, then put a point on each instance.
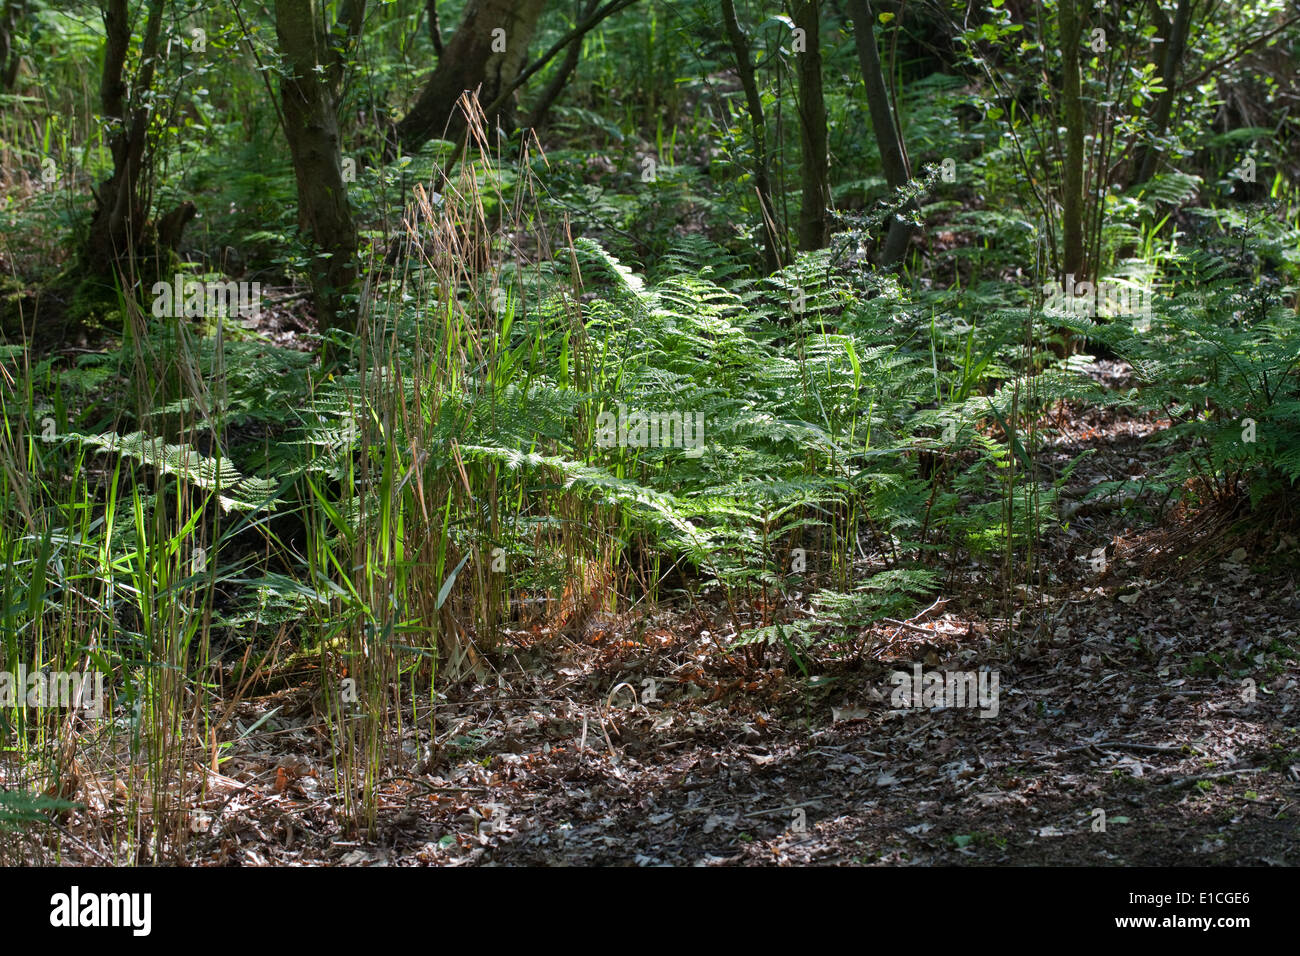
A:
(1121, 691)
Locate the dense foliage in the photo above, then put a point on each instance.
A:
(563, 380)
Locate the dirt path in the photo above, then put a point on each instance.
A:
(1122, 708)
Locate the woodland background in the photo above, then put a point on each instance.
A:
(984, 313)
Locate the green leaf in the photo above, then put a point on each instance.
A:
(1018, 448)
(446, 585)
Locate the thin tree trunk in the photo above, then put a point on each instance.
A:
(1072, 263)
(435, 27)
(758, 132)
(815, 166)
(10, 15)
(555, 86)
(589, 23)
(1175, 45)
(507, 93)
(309, 101)
(117, 226)
(487, 50)
(893, 158)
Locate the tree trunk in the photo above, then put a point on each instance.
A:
(1175, 44)
(551, 92)
(309, 99)
(10, 15)
(893, 158)
(815, 168)
(435, 27)
(1072, 263)
(117, 226)
(487, 50)
(758, 132)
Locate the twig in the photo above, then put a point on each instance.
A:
(429, 788)
(1124, 745)
(911, 627)
(86, 846)
(939, 602)
(1197, 778)
(815, 801)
